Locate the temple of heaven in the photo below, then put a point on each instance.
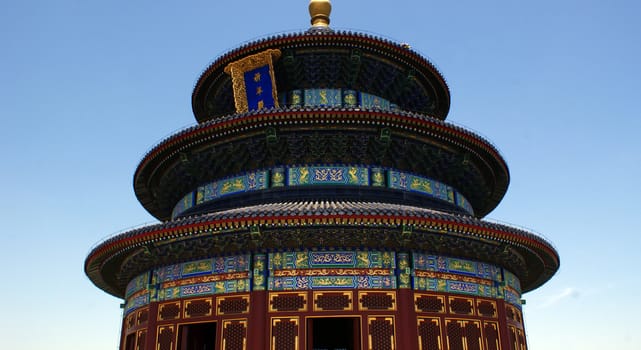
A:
(322, 202)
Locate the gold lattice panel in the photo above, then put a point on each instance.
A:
(381, 333)
(165, 338)
(232, 305)
(429, 333)
(333, 301)
(284, 333)
(431, 303)
(461, 306)
(369, 300)
(234, 334)
(486, 308)
(288, 302)
(463, 334)
(197, 308)
(169, 311)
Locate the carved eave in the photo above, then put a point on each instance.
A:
(319, 60)
(237, 143)
(306, 225)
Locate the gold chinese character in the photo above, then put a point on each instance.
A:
(259, 90)
(261, 104)
(257, 77)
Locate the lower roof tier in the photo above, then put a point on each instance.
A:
(301, 225)
(267, 139)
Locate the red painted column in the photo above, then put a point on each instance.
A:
(407, 331)
(150, 341)
(503, 331)
(258, 327)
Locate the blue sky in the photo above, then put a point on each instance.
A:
(87, 87)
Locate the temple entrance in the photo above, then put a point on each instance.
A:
(333, 333)
(197, 336)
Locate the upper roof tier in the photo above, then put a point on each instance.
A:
(323, 58)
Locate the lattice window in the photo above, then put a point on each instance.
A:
(333, 301)
(473, 336)
(381, 333)
(513, 339)
(461, 306)
(376, 301)
(284, 334)
(169, 311)
(140, 342)
(455, 335)
(517, 316)
(233, 305)
(234, 335)
(130, 321)
(430, 303)
(521, 338)
(486, 308)
(463, 334)
(491, 331)
(288, 302)
(510, 313)
(429, 334)
(198, 308)
(142, 317)
(165, 339)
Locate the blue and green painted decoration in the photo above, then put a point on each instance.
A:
(323, 269)
(319, 175)
(346, 98)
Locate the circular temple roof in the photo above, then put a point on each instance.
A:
(311, 224)
(238, 143)
(323, 58)
(411, 137)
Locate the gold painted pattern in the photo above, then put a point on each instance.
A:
(204, 279)
(331, 272)
(238, 68)
(452, 277)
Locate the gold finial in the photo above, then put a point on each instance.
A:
(319, 10)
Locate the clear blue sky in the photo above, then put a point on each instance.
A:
(87, 87)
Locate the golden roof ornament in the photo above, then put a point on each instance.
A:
(319, 11)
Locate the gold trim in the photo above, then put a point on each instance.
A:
(317, 294)
(435, 320)
(277, 294)
(276, 320)
(172, 346)
(238, 68)
(223, 298)
(469, 300)
(361, 294)
(417, 296)
(390, 319)
(463, 322)
(140, 334)
(495, 325)
(188, 302)
(161, 306)
(242, 321)
(493, 302)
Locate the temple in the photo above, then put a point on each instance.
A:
(322, 202)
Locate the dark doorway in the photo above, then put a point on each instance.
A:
(333, 333)
(197, 336)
